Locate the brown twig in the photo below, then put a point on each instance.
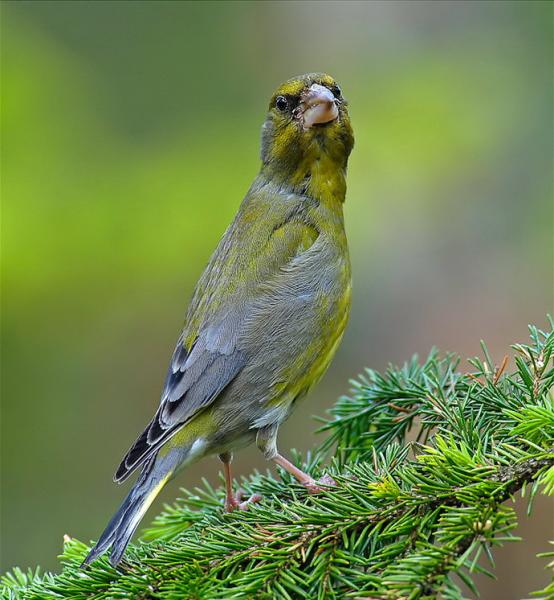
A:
(500, 370)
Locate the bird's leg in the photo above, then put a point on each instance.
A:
(234, 501)
(230, 501)
(266, 441)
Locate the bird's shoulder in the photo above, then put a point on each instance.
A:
(272, 228)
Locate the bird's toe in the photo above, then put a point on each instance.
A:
(322, 484)
(236, 502)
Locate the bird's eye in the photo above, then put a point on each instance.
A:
(337, 92)
(281, 103)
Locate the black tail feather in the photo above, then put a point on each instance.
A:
(124, 523)
(112, 531)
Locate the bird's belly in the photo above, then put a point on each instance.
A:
(332, 333)
(306, 352)
(296, 339)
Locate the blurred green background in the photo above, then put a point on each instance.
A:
(130, 133)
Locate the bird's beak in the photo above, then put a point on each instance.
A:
(318, 106)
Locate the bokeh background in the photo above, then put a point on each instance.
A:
(129, 135)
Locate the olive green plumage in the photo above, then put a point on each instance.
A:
(267, 314)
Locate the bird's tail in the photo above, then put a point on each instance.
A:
(120, 529)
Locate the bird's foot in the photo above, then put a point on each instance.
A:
(322, 484)
(237, 501)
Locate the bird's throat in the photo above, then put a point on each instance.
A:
(324, 180)
(316, 175)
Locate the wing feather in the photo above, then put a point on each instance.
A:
(195, 389)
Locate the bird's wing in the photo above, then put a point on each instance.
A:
(207, 358)
(194, 380)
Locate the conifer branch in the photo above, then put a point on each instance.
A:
(404, 518)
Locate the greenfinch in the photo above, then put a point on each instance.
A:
(267, 314)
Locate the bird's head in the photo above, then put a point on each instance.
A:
(307, 124)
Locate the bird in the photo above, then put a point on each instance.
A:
(266, 316)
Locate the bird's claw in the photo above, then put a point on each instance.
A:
(322, 484)
(236, 502)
